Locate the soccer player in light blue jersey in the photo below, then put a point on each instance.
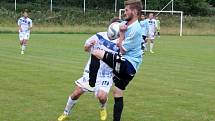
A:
(25, 27)
(145, 29)
(126, 63)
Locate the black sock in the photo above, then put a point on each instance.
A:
(94, 67)
(118, 107)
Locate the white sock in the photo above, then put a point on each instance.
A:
(70, 104)
(23, 47)
(151, 46)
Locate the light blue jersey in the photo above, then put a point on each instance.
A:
(145, 27)
(132, 44)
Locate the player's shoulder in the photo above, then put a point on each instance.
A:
(29, 19)
(102, 33)
(21, 18)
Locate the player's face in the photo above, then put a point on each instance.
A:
(25, 14)
(142, 17)
(128, 13)
(151, 15)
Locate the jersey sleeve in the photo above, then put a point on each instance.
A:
(19, 22)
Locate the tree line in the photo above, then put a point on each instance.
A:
(190, 7)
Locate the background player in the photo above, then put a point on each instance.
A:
(126, 65)
(158, 26)
(145, 29)
(152, 30)
(104, 77)
(25, 27)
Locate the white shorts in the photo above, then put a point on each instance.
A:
(151, 35)
(24, 36)
(103, 84)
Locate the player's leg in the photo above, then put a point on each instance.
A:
(102, 97)
(151, 45)
(25, 40)
(143, 45)
(102, 88)
(146, 42)
(120, 85)
(94, 67)
(72, 100)
(152, 38)
(21, 39)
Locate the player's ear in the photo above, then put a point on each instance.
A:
(135, 12)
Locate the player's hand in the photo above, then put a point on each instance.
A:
(119, 43)
(20, 30)
(92, 42)
(123, 28)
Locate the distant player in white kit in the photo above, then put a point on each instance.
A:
(25, 27)
(152, 31)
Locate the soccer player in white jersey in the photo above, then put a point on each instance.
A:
(152, 31)
(25, 27)
(104, 77)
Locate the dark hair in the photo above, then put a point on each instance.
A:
(25, 11)
(135, 4)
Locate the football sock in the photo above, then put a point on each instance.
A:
(23, 47)
(70, 104)
(94, 67)
(151, 46)
(118, 107)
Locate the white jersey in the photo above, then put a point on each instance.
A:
(105, 76)
(102, 42)
(152, 25)
(25, 24)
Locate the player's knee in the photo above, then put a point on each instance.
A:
(77, 93)
(102, 96)
(117, 92)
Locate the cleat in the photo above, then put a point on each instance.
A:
(151, 51)
(63, 117)
(103, 114)
(22, 52)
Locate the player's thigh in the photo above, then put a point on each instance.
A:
(26, 36)
(103, 84)
(21, 36)
(82, 81)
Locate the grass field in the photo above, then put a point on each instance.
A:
(177, 83)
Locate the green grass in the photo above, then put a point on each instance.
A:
(177, 83)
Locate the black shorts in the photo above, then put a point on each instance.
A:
(123, 70)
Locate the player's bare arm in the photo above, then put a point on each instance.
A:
(88, 46)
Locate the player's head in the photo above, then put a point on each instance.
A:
(25, 13)
(143, 17)
(132, 9)
(156, 18)
(151, 15)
